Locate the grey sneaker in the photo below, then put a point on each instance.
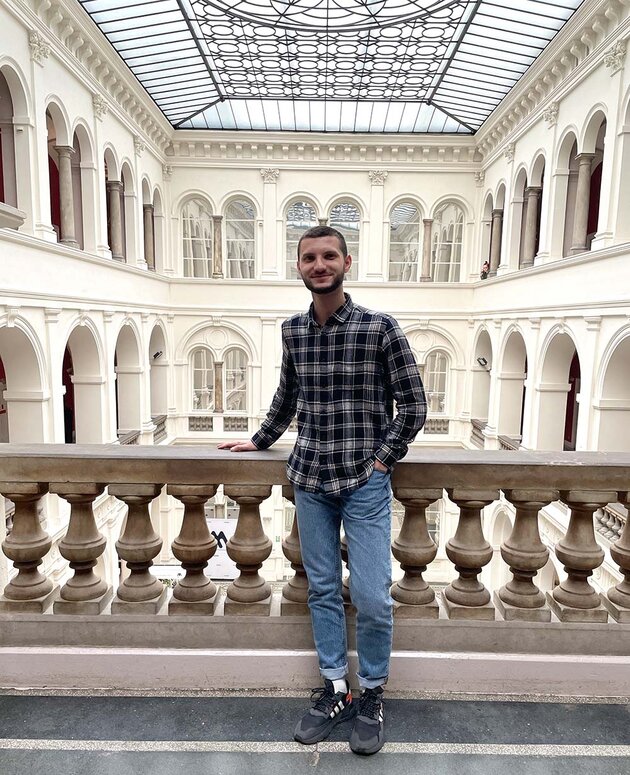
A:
(329, 709)
(367, 736)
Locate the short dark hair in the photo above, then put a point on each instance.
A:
(324, 231)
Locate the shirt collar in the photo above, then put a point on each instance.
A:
(339, 316)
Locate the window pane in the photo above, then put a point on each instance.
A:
(345, 217)
(240, 239)
(235, 381)
(197, 238)
(300, 217)
(446, 237)
(434, 377)
(404, 242)
(203, 381)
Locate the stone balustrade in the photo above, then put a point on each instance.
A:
(585, 483)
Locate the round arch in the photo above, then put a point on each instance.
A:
(592, 124)
(237, 194)
(481, 365)
(511, 375)
(612, 396)
(84, 399)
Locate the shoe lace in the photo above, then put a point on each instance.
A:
(322, 698)
(369, 704)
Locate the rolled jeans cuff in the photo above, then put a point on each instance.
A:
(334, 673)
(371, 683)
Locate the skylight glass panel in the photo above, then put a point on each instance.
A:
(329, 65)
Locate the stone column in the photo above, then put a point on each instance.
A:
(85, 593)
(193, 547)
(29, 591)
(322, 221)
(138, 545)
(149, 236)
(466, 597)
(249, 547)
(574, 599)
(425, 276)
(618, 600)
(582, 202)
(218, 387)
(217, 247)
(66, 197)
(526, 554)
(114, 191)
(414, 549)
(496, 235)
(295, 591)
(532, 195)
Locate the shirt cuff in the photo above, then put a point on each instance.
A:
(386, 456)
(260, 441)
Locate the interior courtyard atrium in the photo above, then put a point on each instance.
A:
(159, 161)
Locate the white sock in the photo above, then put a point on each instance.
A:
(340, 685)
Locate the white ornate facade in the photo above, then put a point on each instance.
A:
(145, 272)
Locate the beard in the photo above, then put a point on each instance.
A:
(337, 282)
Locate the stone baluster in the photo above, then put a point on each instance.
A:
(574, 599)
(295, 591)
(114, 191)
(526, 554)
(29, 591)
(345, 583)
(193, 547)
(618, 599)
(249, 547)
(149, 235)
(425, 274)
(84, 593)
(466, 597)
(582, 202)
(496, 235)
(138, 544)
(414, 549)
(66, 197)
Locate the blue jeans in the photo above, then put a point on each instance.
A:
(366, 517)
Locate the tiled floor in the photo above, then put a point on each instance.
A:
(99, 735)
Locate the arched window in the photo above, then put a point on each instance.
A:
(240, 238)
(300, 216)
(346, 218)
(404, 242)
(202, 381)
(446, 239)
(197, 238)
(235, 381)
(434, 378)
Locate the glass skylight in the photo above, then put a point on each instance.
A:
(329, 65)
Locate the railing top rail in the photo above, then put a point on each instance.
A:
(194, 464)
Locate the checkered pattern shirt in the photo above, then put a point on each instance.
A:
(342, 379)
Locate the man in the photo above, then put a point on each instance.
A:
(342, 368)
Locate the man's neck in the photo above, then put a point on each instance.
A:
(324, 305)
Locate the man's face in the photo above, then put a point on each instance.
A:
(322, 265)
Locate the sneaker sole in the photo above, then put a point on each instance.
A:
(346, 714)
(368, 751)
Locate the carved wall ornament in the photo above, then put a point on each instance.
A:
(509, 152)
(615, 57)
(480, 177)
(167, 171)
(101, 106)
(138, 145)
(40, 50)
(270, 174)
(550, 114)
(378, 177)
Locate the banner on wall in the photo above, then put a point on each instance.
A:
(221, 566)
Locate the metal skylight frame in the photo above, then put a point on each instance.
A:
(394, 66)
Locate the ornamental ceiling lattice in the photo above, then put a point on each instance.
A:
(329, 65)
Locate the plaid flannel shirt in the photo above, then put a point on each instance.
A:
(342, 379)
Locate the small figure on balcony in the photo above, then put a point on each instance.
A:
(342, 368)
(485, 269)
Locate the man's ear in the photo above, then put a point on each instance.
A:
(347, 263)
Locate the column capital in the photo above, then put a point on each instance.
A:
(147, 207)
(114, 185)
(64, 150)
(497, 213)
(585, 158)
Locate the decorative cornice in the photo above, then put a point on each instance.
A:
(138, 145)
(378, 177)
(40, 50)
(550, 113)
(480, 178)
(72, 32)
(101, 106)
(615, 57)
(553, 71)
(270, 174)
